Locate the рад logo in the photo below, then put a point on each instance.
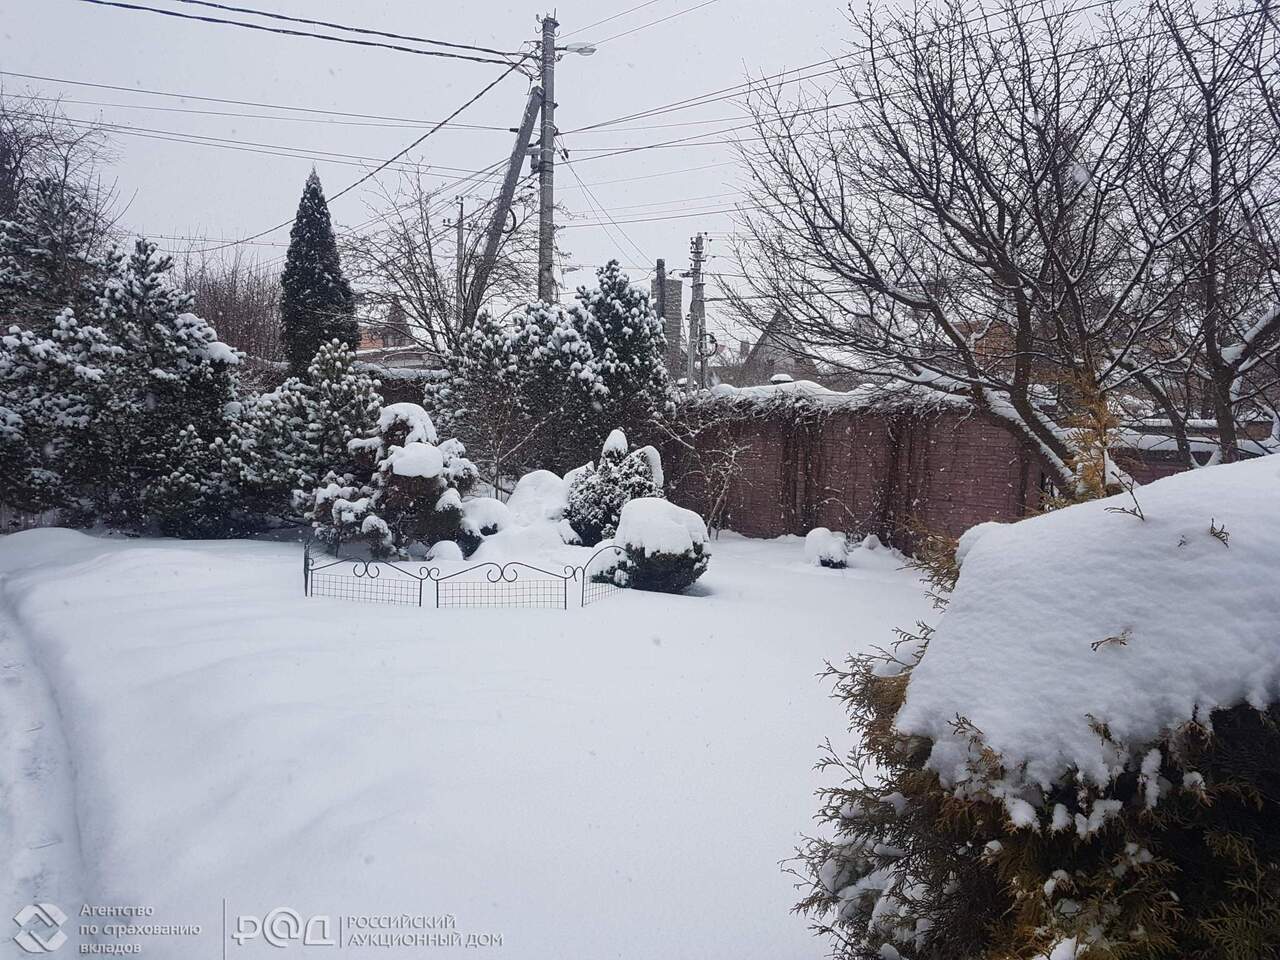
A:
(42, 918)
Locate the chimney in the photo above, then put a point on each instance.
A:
(667, 304)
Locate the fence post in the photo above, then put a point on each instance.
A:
(419, 593)
(306, 569)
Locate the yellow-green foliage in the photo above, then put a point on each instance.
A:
(1187, 867)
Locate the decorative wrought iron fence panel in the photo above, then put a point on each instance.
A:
(512, 584)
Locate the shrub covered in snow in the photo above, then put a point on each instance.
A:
(666, 547)
(412, 494)
(598, 491)
(1081, 759)
(826, 548)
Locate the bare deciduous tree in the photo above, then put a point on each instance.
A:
(409, 264)
(972, 212)
(240, 298)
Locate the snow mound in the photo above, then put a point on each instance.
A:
(616, 442)
(538, 496)
(416, 459)
(1138, 620)
(485, 513)
(653, 525)
(823, 547)
(445, 550)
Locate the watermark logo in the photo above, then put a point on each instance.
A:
(40, 918)
(282, 926)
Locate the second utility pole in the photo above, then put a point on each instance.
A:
(546, 166)
(459, 296)
(697, 311)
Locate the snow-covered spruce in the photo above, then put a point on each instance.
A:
(1080, 760)
(409, 493)
(598, 491)
(666, 547)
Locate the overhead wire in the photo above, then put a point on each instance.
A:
(388, 162)
(285, 31)
(339, 26)
(653, 23)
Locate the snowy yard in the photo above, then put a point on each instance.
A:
(182, 730)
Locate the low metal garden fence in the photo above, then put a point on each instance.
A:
(490, 584)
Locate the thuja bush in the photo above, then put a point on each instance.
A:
(1177, 857)
(664, 547)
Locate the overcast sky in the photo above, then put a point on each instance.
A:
(188, 190)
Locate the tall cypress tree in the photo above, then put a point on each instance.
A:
(316, 305)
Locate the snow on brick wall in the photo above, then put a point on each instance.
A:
(873, 472)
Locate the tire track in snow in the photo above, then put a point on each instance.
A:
(39, 832)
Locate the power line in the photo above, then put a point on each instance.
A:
(651, 23)
(285, 31)
(276, 118)
(728, 93)
(386, 163)
(348, 29)
(591, 199)
(616, 16)
(224, 100)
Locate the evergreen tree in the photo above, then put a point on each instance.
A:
(52, 390)
(546, 390)
(171, 372)
(300, 431)
(629, 348)
(45, 258)
(316, 305)
(52, 363)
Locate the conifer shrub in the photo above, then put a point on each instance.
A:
(1096, 842)
(598, 491)
(665, 547)
(1178, 857)
(408, 492)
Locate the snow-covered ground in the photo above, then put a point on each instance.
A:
(182, 731)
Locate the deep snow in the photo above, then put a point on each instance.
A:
(615, 781)
(1138, 611)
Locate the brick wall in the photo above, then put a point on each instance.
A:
(869, 472)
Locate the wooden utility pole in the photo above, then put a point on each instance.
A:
(546, 166)
(502, 208)
(459, 296)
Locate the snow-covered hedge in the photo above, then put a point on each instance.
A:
(1080, 759)
(598, 491)
(666, 547)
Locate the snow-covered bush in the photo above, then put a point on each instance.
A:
(598, 491)
(1080, 760)
(412, 493)
(826, 548)
(666, 547)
